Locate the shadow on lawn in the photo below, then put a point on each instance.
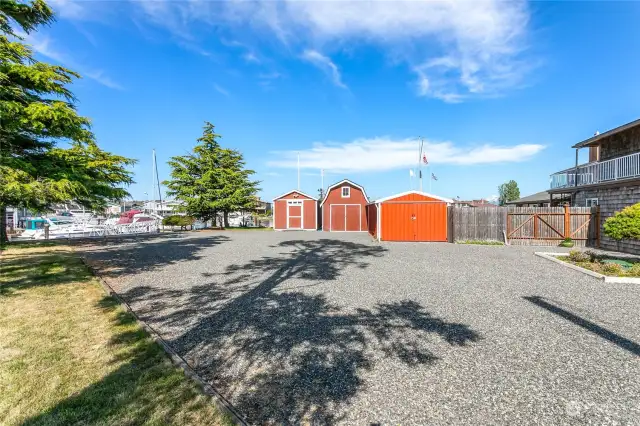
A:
(135, 254)
(283, 356)
(145, 388)
(22, 271)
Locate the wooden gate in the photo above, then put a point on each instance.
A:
(550, 225)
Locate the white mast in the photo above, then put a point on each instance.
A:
(153, 180)
(298, 171)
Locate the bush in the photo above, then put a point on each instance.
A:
(612, 269)
(579, 256)
(177, 220)
(624, 224)
(634, 270)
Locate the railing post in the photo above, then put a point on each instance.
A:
(567, 222)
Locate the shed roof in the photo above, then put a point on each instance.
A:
(425, 194)
(342, 182)
(295, 190)
(597, 138)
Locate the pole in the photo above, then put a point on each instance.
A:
(420, 162)
(298, 171)
(155, 162)
(430, 178)
(153, 176)
(322, 179)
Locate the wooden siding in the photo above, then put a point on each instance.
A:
(334, 198)
(309, 211)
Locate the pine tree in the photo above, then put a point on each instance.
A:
(37, 112)
(211, 180)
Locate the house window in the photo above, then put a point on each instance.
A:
(592, 202)
(346, 192)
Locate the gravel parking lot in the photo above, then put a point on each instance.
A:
(309, 327)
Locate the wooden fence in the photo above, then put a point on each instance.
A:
(546, 226)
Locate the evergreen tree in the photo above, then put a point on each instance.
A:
(211, 180)
(508, 191)
(195, 179)
(37, 112)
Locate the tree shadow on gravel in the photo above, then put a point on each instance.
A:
(283, 356)
(116, 257)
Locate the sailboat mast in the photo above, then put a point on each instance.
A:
(155, 162)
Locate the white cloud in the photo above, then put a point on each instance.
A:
(221, 90)
(386, 154)
(273, 174)
(68, 9)
(493, 198)
(251, 57)
(326, 65)
(44, 46)
(457, 49)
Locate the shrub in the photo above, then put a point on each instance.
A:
(176, 220)
(612, 269)
(624, 224)
(593, 256)
(634, 270)
(579, 256)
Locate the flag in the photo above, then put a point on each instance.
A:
(433, 177)
(411, 174)
(424, 159)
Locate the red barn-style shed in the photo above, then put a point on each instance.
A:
(344, 208)
(409, 216)
(295, 210)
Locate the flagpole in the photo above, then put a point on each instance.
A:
(322, 180)
(298, 171)
(430, 178)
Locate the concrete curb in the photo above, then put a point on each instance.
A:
(605, 278)
(218, 400)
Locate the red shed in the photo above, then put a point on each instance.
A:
(295, 210)
(409, 216)
(344, 208)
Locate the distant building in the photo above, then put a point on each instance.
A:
(473, 203)
(540, 199)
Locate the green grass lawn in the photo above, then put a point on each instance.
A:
(71, 355)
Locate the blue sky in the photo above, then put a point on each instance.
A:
(499, 90)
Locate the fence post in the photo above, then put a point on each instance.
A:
(567, 222)
(535, 226)
(598, 226)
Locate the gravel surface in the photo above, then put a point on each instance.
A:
(306, 327)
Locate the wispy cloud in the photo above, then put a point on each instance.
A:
(455, 50)
(221, 90)
(43, 45)
(273, 174)
(251, 57)
(386, 154)
(326, 65)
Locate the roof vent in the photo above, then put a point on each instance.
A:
(596, 133)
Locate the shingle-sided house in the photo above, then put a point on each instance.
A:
(611, 178)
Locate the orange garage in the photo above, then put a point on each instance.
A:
(409, 216)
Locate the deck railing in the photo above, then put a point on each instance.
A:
(603, 171)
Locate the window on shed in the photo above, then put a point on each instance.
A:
(346, 192)
(592, 202)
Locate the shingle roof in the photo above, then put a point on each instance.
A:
(538, 197)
